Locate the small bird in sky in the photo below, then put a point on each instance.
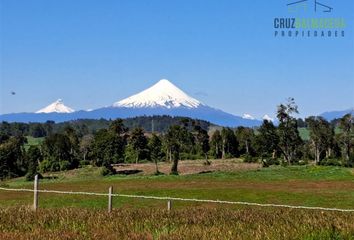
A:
(13, 93)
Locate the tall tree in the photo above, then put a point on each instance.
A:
(202, 139)
(70, 132)
(34, 157)
(175, 137)
(155, 148)
(48, 127)
(117, 127)
(346, 137)
(216, 144)
(37, 130)
(108, 147)
(321, 136)
(12, 157)
(57, 150)
(245, 137)
(85, 145)
(138, 142)
(289, 137)
(267, 140)
(229, 143)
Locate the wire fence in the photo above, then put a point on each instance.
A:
(169, 199)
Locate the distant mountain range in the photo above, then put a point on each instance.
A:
(163, 98)
(336, 114)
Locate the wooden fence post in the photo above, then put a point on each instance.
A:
(35, 193)
(110, 191)
(169, 205)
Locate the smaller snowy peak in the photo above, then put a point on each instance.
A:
(268, 118)
(248, 116)
(56, 107)
(162, 94)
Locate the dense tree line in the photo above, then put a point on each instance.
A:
(83, 127)
(73, 145)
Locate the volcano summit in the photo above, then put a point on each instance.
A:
(163, 98)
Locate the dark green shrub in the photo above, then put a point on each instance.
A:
(330, 162)
(30, 176)
(108, 170)
(84, 163)
(64, 165)
(54, 166)
(270, 161)
(350, 162)
(249, 159)
(44, 166)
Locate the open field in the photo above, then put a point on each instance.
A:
(297, 185)
(31, 141)
(82, 217)
(189, 223)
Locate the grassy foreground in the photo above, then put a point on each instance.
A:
(85, 217)
(190, 223)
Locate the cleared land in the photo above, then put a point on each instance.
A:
(188, 167)
(224, 180)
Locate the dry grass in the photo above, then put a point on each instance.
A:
(190, 223)
(187, 167)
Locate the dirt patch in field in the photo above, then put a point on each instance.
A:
(187, 167)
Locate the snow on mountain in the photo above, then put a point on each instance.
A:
(268, 118)
(248, 116)
(162, 94)
(56, 107)
(163, 98)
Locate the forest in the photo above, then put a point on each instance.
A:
(103, 143)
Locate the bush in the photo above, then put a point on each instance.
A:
(64, 165)
(330, 162)
(270, 161)
(189, 156)
(350, 163)
(48, 166)
(249, 159)
(44, 166)
(108, 170)
(30, 176)
(54, 167)
(84, 163)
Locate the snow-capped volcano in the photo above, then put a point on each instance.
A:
(163, 98)
(162, 94)
(56, 107)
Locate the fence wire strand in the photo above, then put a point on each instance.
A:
(179, 199)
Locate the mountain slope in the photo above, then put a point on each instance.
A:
(336, 114)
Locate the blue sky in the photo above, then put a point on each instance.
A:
(92, 53)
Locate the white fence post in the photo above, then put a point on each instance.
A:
(35, 193)
(110, 191)
(169, 205)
